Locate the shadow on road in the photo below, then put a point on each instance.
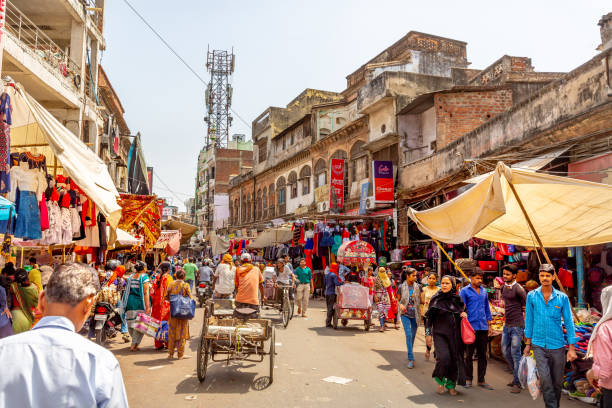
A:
(340, 332)
(153, 363)
(223, 379)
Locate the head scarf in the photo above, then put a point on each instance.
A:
(382, 275)
(334, 268)
(449, 301)
(227, 258)
(120, 271)
(606, 306)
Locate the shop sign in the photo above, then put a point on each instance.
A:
(365, 187)
(383, 181)
(336, 193)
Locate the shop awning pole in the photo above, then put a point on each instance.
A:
(450, 259)
(537, 237)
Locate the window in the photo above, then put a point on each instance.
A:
(280, 191)
(259, 204)
(284, 143)
(359, 162)
(305, 179)
(320, 171)
(292, 138)
(293, 185)
(323, 132)
(383, 129)
(271, 201)
(262, 147)
(212, 173)
(265, 202)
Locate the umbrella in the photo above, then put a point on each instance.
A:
(355, 253)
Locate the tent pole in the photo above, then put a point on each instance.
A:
(450, 259)
(537, 237)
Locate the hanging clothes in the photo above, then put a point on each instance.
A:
(31, 184)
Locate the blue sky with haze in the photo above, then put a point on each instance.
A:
(283, 47)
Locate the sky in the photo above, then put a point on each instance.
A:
(284, 47)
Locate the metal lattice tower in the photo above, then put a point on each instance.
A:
(220, 64)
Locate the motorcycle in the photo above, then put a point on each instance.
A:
(106, 322)
(204, 292)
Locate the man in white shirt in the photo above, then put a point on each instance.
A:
(53, 366)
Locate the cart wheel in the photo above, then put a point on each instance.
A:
(292, 309)
(335, 318)
(203, 355)
(272, 352)
(286, 310)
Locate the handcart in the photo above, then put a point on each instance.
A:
(281, 301)
(226, 338)
(352, 303)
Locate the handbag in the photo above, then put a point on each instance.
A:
(467, 331)
(162, 333)
(182, 307)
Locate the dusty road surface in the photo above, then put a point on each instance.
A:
(307, 353)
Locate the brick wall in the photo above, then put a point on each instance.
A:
(461, 112)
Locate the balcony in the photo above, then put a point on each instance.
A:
(31, 51)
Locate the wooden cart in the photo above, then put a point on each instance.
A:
(225, 338)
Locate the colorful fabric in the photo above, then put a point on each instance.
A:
(25, 299)
(5, 147)
(248, 279)
(141, 216)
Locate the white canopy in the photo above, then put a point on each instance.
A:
(34, 129)
(565, 212)
(271, 236)
(124, 238)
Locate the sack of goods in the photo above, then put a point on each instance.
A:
(353, 296)
(250, 329)
(146, 324)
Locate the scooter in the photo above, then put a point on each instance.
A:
(204, 293)
(105, 320)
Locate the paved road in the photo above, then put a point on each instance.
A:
(307, 353)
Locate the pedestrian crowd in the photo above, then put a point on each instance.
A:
(44, 311)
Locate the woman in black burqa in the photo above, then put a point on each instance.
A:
(443, 325)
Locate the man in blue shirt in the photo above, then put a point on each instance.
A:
(479, 315)
(53, 366)
(545, 308)
(331, 281)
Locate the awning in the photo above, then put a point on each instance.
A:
(123, 238)
(187, 230)
(565, 212)
(35, 130)
(271, 236)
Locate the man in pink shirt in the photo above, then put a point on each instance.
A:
(600, 348)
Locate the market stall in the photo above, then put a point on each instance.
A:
(529, 209)
(62, 192)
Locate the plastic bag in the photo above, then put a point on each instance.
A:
(467, 331)
(528, 376)
(162, 333)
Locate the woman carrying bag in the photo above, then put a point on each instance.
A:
(178, 328)
(443, 326)
(136, 300)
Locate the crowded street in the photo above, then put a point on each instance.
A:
(305, 204)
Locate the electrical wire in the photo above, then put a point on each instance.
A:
(177, 55)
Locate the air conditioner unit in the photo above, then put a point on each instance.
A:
(322, 207)
(370, 203)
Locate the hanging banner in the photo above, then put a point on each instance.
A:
(336, 191)
(383, 181)
(365, 187)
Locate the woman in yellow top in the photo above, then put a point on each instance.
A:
(178, 329)
(426, 294)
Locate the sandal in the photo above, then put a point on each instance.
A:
(452, 391)
(441, 389)
(427, 354)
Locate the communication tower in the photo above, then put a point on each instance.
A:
(220, 65)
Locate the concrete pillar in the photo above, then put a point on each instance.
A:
(94, 141)
(78, 40)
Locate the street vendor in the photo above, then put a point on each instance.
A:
(332, 280)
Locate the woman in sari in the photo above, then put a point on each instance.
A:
(161, 307)
(382, 283)
(178, 329)
(136, 300)
(443, 325)
(24, 296)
